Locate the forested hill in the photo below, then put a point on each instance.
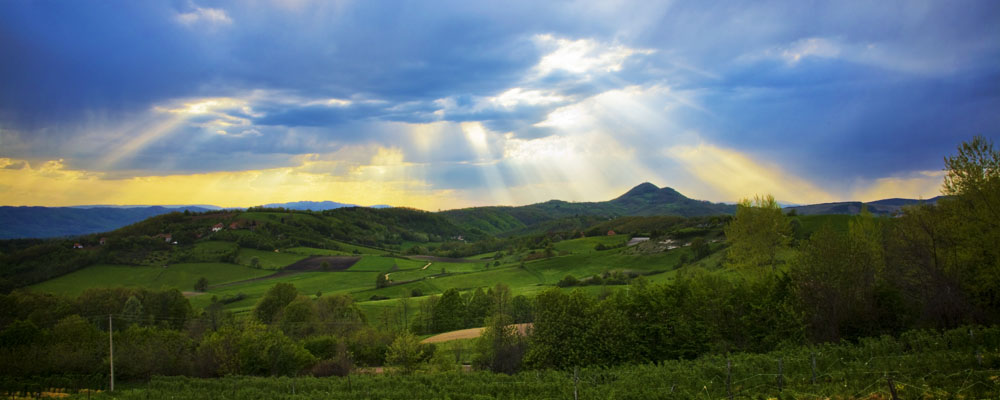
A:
(880, 207)
(643, 200)
(45, 222)
(172, 235)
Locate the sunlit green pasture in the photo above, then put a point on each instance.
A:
(176, 276)
(587, 244)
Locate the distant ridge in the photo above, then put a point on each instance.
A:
(316, 205)
(35, 222)
(878, 207)
(180, 206)
(47, 222)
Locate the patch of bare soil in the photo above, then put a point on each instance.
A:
(192, 294)
(471, 333)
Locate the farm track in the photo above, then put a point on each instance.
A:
(443, 259)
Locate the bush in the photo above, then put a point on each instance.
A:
(568, 281)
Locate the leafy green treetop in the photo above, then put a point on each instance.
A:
(756, 233)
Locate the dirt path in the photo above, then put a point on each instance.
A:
(425, 267)
(470, 333)
(444, 259)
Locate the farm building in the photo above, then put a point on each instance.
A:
(217, 227)
(611, 233)
(77, 246)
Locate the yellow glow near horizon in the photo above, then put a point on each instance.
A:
(923, 185)
(51, 184)
(733, 175)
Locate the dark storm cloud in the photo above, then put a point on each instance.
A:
(872, 88)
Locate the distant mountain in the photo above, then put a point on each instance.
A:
(643, 200)
(316, 205)
(180, 206)
(880, 207)
(46, 222)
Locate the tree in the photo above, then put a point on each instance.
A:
(500, 348)
(132, 312)
(250, 348)
(559, 337)
(298, 318)
(275, 300)
(972, 220)
(449, 312)
(254, 262)
(141, 352)
(339, 315)
(478, 308)
(404, 352)
(521, 310)
(201, 285)
(214, 313)
(975, 173)
(756, 233)
(700, 248)
(381, 281)
(567, 281)
(840, 282)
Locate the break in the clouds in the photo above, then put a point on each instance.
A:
(448, 104)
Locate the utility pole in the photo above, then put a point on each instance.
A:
(111, 353)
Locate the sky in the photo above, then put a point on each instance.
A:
(448, 104)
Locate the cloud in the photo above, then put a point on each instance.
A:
(478, 97)
(7, 163)
(208, 16)
(582, 56)
(810, 47)
(732, 175)
(919, 184)
(379, 182)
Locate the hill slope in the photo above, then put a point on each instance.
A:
(643, 200)
(880, 207)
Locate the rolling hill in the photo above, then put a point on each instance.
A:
(645, 199)
(880, 207)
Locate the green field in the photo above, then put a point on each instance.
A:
(345, 249)
(176, 276)
(576, 257)
(586, 245)
(268, 259)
